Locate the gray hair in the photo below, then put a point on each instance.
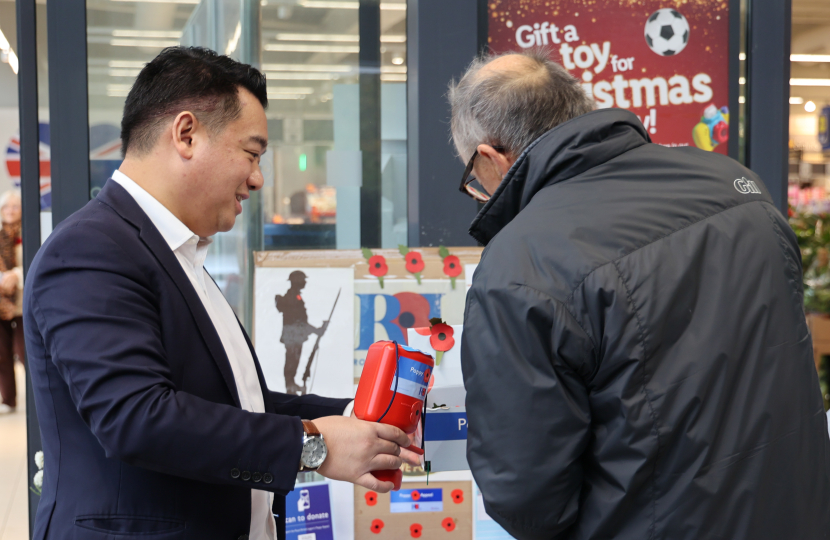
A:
(512, 107)
(8, 195)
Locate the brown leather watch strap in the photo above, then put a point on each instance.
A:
(310, 428)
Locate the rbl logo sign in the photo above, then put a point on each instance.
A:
(394, 314)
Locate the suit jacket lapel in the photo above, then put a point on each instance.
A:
(119, 200)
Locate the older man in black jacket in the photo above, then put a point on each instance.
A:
(635, 350)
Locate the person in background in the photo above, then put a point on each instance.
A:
(11, 298)
(635, 351)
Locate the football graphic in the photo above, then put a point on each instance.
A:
(667, 32)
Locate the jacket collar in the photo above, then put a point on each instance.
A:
(562, 153)
(116, 197)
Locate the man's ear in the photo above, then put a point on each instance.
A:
(496, 159)
(184, 128)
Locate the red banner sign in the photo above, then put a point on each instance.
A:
(665, 60)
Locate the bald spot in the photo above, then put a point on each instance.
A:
(513, 64)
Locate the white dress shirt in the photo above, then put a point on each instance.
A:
(191, 251)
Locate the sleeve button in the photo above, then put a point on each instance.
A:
(256, 477)
(234, 473)
(267, 478)
(246, 475)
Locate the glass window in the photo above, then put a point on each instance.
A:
(335, 170)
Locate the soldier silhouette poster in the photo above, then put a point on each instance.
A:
(304, 328)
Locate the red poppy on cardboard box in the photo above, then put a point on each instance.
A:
(457, 496)
(416, 496)
(377, 266)
(415, 530)
(452, 266)
(448, 524)
(414, 262)
(371, 498)
(377, 526)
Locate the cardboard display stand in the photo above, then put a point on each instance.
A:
(437, 510)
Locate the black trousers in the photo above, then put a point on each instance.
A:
(11, 348)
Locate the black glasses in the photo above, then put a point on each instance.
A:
(468, 179)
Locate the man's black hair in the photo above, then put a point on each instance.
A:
(186, 79)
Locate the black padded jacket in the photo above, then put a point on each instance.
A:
(635, 350)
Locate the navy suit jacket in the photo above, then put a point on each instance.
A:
(143, 434)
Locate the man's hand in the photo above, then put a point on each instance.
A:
(408, 456)
(355, 448)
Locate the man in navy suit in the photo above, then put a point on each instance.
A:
(155, 417)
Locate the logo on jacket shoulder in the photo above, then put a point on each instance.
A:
(746, 187)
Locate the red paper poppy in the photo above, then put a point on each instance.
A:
(377, 526)
(441, 338)
(371, 498)
(415, 530)
(414, 262)
(452, 266)
(377, 266)
(448, 524)
(415, 495)
(457, 496)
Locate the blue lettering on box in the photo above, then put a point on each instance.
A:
(446, 426)
(427, 500)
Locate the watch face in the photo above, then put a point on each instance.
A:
(314, 452)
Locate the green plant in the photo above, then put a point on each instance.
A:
(813, 234)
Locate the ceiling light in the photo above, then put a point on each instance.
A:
(393, 69)
(126, 63)
(741, 80)
(234, 41)
(796, 100)
(742, 56)
(330, 4)
(122, 72)
(290, 90)
(352, 38)
(810, 58)
(160, 1)
(397, 60)
(741, 99)
(810, 106)
(809, 82)
(301, 47)
(282, 76)
(8, 54)
(393, 77)
(151, 43)
(145, 33)
(307, 67)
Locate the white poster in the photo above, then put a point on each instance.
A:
(304, 329)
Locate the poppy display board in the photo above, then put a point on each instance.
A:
(394, 289)
(418, 510)
(664, 60)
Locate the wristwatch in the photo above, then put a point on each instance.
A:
(314, 448)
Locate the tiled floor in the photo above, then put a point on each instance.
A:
(14, 520)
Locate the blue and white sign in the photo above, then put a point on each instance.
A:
(412, 378)
(416, 500)
(445, 430)
(308, 513)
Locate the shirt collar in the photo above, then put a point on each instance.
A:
(174, 232)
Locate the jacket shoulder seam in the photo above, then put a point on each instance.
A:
(652, 412)
(567, 310)
(654, 241)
